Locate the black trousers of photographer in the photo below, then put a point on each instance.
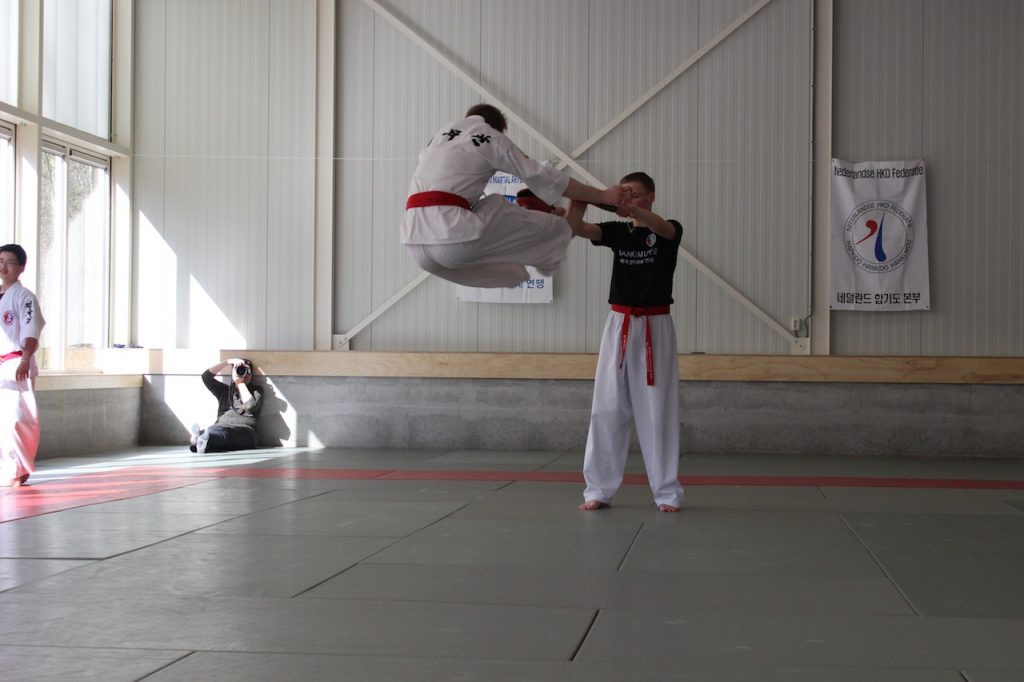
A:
(224, 438)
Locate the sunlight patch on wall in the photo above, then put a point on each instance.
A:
(209, 327)
(157, 281)
(188, 400)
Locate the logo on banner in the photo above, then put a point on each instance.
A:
(878, 236)
(878, 224)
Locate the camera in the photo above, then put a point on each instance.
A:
(241, 370)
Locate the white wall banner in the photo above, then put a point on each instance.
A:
(879, 236)
(537, 289)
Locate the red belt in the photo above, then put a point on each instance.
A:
(535, 204)
(10, 356)
(645, 313)
(421, 199)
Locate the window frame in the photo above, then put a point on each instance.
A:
(9, 134)
(47, 89)
(12, 45)
(56, 312)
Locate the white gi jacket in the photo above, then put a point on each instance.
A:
(20, 319)
(460, 159)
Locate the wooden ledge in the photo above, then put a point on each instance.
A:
(696, 367)
(853, 369)
(77, 382)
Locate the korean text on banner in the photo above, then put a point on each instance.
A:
(879, 236)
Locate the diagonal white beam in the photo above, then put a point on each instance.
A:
(646, 97)
(484, 92)
(341, 341)
(664, 82)
(732, 291)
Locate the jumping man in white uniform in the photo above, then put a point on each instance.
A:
(451, 232)
(637, 367)
(22, 324)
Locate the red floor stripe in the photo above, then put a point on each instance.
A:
(79, 491)
(93, 488)
(745, 481)
(448, 475)
(854, 482)
(284, 474)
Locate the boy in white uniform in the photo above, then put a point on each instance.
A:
(22, 324)
(451, 232)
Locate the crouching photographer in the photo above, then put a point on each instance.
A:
(238, 407)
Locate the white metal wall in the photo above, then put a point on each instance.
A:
(225, 120)
(224, 185)
(728, 144)
(941, 80)
(753, 179)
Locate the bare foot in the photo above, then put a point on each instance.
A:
(591, 505)
(668, 508)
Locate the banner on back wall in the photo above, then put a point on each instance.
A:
(537, 289)
(879, 236)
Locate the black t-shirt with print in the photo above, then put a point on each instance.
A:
(644, 263)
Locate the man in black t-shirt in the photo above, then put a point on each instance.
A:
(637, 377)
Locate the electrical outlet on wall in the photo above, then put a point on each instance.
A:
(794, 324)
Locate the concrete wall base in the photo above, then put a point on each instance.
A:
(511, 414)
(919, 420)
(82, 422)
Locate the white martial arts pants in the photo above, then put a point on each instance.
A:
(512, 238)
(621, 396)
(19, 424)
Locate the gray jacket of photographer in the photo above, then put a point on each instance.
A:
(231, 411)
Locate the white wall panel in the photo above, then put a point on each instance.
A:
(941, 80)
(634, 46)
(216, 169)
(568, 68)
(235, 158)
(224, 125)
(974, 105)
(353, 246)
(413, 96)
(877, 115)
(155, 264)
(542, 84)
(291, 143)
(754, 180)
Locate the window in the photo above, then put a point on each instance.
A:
(6, 182)
(9, 51)
(74, 219)
(76, 64)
